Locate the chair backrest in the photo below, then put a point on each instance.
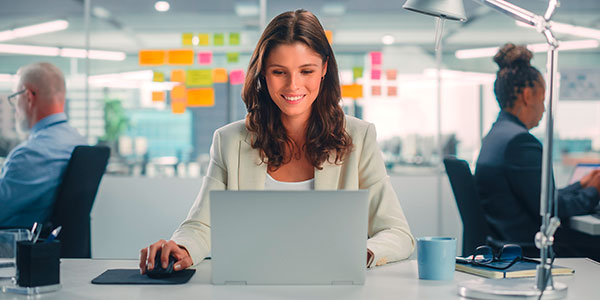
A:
(475, 228)
(75, 197)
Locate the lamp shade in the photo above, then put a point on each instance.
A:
(447, 9)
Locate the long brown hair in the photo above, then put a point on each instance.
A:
(325, 132)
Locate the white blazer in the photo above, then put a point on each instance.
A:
(235, 165)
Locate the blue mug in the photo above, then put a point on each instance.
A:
(436, 257)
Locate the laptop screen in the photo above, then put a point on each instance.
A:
(581, 170)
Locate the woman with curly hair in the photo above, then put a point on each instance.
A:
(509, 167)
(295, 137)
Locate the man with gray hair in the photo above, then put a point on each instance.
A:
(33, 170)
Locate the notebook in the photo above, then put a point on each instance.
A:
(523, 268)
(581, 170)
(288, 237)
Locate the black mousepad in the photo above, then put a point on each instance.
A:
(133, 276)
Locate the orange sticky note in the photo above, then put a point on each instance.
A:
(391, 74)
(219, 75)
(180, 57)
(158, 96)
(392, 91)
(376, 90)
(178, 92)
(187, 39)
(329, 35)
(178, 106)
(177, 75)
(201, 97)
(352, 91)
(151, 57)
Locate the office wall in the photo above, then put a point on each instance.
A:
(132, 212)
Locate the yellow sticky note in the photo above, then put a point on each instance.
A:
(178, 106)
(178, 92)
(187, 39)
(180, 57)
(352, 91)
(219, 75)
(201, 97)
(203, 39)
(151, 57)
(178, 75)
(158, 76)
(329, 35)
(198, 77)
(158, 96)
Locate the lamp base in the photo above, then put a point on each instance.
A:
(492, 289)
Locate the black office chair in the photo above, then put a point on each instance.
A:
(75, 198)
(476, 231)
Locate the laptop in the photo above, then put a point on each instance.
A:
(289, 237)
(581, 170)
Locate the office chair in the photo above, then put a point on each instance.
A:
(75, 198)
(476, 231)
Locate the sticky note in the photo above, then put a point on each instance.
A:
(218, 39)
(392, 91)
(233, 57)
(178, 92)
(198, 77)
(158, 96)
(152, 57)
(376, 58)
(200, 97)
(177, 75)
(236, 77)
(158, 76)
(375, 74)
(234, 38)
(186, 39)
(357, 72)
(178, 106)
(329, 35)
(352, 91)
(205, 58)
(376, 90)
(180, 57)
(391, 74)
(219, 75)
(203, 39)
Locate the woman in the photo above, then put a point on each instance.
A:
(508, 171)
(295, 133)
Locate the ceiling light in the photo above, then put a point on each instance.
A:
(162, 6)
(246, 9)
(543, 47)
(387, 39)
(64, 52)
(334, 9)
(195, 40)
(33, 30)
(6, 77)
(569, 29)
(100, 12)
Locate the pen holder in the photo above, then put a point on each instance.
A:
(38, 264)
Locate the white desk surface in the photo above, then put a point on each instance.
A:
(393, 281)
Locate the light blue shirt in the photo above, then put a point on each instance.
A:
(33, 171)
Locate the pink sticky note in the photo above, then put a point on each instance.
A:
(236, 77)
(204, 58)
(376, 58)
(375, 74)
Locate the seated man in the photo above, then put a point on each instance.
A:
(508, 171)
(33, 170)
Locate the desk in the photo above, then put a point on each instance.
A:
(393, 281)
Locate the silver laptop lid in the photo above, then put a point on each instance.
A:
(289, 237)
(581, 170)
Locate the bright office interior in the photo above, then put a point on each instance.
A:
(160, 152)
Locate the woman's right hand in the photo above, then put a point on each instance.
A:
(592, 179)
(147, 255)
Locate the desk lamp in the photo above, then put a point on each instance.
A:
(543, 283)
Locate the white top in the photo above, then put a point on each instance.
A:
(275, 185)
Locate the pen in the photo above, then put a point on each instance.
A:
(35, 232)
(53, 234)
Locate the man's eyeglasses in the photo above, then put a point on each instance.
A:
(506, 257)
(13, 96)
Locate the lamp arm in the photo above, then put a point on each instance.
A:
(514, 11)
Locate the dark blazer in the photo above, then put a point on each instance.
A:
(508, 179)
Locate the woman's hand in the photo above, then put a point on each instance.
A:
(147, 255)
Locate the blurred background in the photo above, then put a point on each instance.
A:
(163, 75)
